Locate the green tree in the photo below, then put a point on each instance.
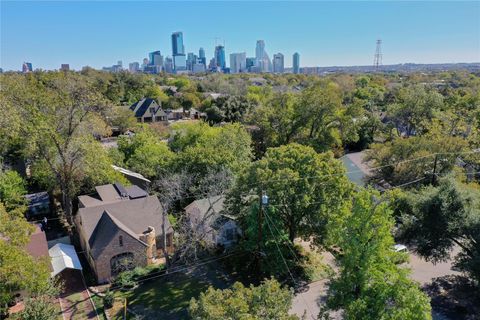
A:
(61, 113)
(202, 148)
(413, 107)
(228, 109)
(370, 285)
(405, 160)
(145, 153)
(306, 188)
(18, 270)
(268, 301)
(122, 118)
(439, 218)
(327, 122)
(12, 189)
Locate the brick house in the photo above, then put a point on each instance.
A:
(121, 228)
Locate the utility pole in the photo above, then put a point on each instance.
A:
(434, 169)
(263, 204)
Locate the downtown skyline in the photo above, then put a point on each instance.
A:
(48, 34)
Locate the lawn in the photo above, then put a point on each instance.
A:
(165, 297)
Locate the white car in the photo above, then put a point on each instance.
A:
(400, 248)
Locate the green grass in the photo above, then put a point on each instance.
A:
(168, 297)
(98, 302)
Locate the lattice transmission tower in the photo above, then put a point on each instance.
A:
(377, 60)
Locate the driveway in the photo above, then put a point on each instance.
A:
(75, 300)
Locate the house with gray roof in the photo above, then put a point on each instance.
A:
(148, 110)
(120, 228)
(211, 223)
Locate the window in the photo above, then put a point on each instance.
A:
(120, 241)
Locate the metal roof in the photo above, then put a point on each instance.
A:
(63, 257)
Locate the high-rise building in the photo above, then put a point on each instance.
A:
(201, 56)
(278, 63)
(198, 68)
(27, 67)
(296, 62)
(178, 52)
(262, 59)
(260, 49)
(177, 43)
(179, 62)
(238, 62)
(191, 60)
(156, 58)
(65, 67)
(134, 67)
(250, 64)
(168, 65)
(220, 57)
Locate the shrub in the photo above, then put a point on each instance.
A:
(108, 299)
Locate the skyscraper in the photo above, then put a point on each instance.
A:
(156, 58)
(220, 57)
(278, 63)
(296, 62)
(134, 67)
(238, 62)
(178, 52)
(191, 60)
(27, 67)
(177, 43)
(260, 50)
(65, 67)
(262, 59)
(201, 56)
(168, 65)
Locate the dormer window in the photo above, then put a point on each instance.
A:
(120, 241)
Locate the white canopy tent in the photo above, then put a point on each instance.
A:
(63, 257)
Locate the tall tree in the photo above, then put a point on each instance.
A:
(61, 113)
(370, 285)
(18, 270)
(306, 188)
(438, 218)
(267, 301)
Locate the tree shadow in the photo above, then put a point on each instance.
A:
(455, 297)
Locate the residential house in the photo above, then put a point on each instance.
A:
(134, 178)
(148, 110)
(208, 219)
(121, 228)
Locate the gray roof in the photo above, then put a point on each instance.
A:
(133, 216)
(207, 204)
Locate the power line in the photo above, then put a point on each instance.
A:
(288, 269)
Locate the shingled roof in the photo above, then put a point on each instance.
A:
(101, 219)
(143, 105)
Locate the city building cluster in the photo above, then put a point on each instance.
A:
(182, 62)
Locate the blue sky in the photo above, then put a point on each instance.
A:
(324, 33)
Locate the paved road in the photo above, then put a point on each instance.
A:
(314, 296)
(424, 271)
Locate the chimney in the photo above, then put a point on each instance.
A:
(149, 236)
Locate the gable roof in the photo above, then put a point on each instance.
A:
(105, 230)
(140, 107)
(207, 204)
(133, 216)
